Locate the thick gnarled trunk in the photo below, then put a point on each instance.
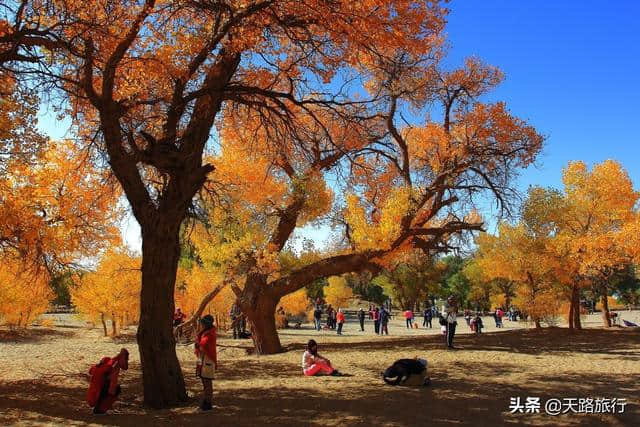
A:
(161, 374)
(262, 321)
(258, 303)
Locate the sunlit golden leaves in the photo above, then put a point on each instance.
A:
(194, 283)
(338, 293)
(379, 234)
(57, 209)
(296, 303)
(112, 291)
(24, 294)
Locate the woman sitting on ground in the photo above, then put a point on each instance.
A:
(314, 364)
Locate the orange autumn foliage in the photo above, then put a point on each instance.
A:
(600, 218)
(56, 209)
(112, 291)
(24, 294)
(338, 293)
(296, 303)
(196, 282)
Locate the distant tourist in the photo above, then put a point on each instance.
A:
(330, 311)
(236, 322)
(499, 315)
(385, 315)
(361, 318)
(467, 317)
(477, 323)
(317, 317)
(427, 318)
(451, 311)
(340, 320)
(408, 316)
(376, 320)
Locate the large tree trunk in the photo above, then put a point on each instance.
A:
(104, 324)
(114, 327)
(570, 316)
(161, 373)
(606, 320)
(259, 305)
(575, 302)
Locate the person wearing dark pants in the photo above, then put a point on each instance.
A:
(235, 314)
(451, 310)
(376, 320)
(451, 331)
(207, 359)
(340, 320)
(361, 318)
(384, 321)
(428, 315)
(317, 316)
(408, 315)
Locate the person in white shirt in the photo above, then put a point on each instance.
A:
(450, 314)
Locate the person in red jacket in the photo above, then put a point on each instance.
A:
(207, 359)
(340, 320)
(408, 316)
(104, 388)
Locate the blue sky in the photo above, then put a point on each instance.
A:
(572, 69)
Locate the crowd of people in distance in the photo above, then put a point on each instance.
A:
(327, 317)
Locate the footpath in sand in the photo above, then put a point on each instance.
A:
(43, 380)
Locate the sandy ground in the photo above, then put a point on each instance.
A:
(42, 377)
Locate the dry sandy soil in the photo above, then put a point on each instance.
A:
(42, 378)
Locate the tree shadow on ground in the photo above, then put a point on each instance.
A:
(447, 401)
(262, 390)
(31, 335)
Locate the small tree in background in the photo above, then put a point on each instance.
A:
(24, 295)
(337, 293)
(112, 291)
